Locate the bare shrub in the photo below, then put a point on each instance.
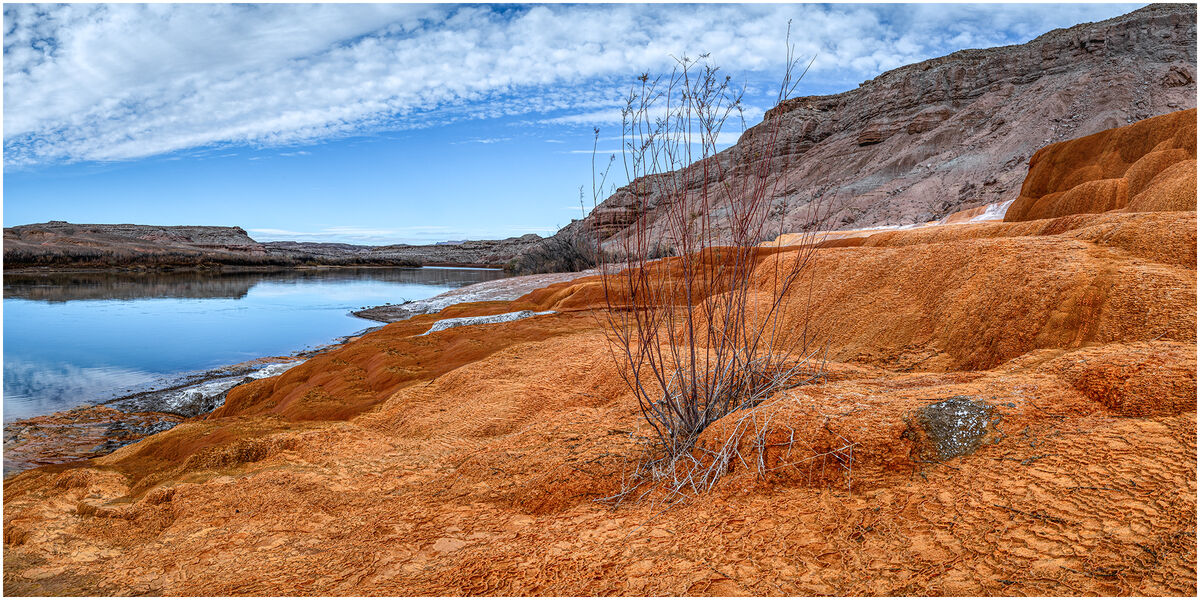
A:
(560, 253)
(716, 328)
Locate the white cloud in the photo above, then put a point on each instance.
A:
(492, 140)
(598, 152)
(607, 116)
(124, 81)
(415, 234)
(725, 138)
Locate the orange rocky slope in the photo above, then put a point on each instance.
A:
(469, 461)
(1147, 166)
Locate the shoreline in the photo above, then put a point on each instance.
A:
(95, 429)
(98, 428)
(52, 270)
(507, 288)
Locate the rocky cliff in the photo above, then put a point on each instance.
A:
(59, 244)
(948, 134)
(471, 252)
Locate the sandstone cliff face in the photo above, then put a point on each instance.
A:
(1147, 166)
(923, 141)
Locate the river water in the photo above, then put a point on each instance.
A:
(83, 338)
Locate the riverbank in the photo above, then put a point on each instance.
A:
(85, 304)
(1004, 408)
(97, 429)
(509, 288)
(92, 431)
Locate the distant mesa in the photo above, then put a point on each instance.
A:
(62, 245)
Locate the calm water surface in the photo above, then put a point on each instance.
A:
(72, 339)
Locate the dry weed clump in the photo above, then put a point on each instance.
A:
(711, 330)
(561, 253)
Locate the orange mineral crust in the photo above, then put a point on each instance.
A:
(1147, 166)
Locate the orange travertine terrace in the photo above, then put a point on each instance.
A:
(1147, 166)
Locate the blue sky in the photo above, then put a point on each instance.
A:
(386, 123)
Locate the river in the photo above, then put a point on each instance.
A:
(82, 338)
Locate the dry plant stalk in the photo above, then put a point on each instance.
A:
(713, 329)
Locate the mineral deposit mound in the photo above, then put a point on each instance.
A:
(1147, 166)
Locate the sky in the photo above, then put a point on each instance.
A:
(400, 123)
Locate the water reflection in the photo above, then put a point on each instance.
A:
(64, 287)
(79, 338)
(45, 388)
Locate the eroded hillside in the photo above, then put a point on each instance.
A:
(920, 142)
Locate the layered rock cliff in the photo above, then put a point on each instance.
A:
(62, 244)
(58, 244)
(470, 252)
(953, 133)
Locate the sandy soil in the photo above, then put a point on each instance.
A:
(471, 460)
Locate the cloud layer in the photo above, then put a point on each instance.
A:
(120, 82)
(416, 234)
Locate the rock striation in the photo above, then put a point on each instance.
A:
(926, 140)
(481, 253)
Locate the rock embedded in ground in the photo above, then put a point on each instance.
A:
(954, 427)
